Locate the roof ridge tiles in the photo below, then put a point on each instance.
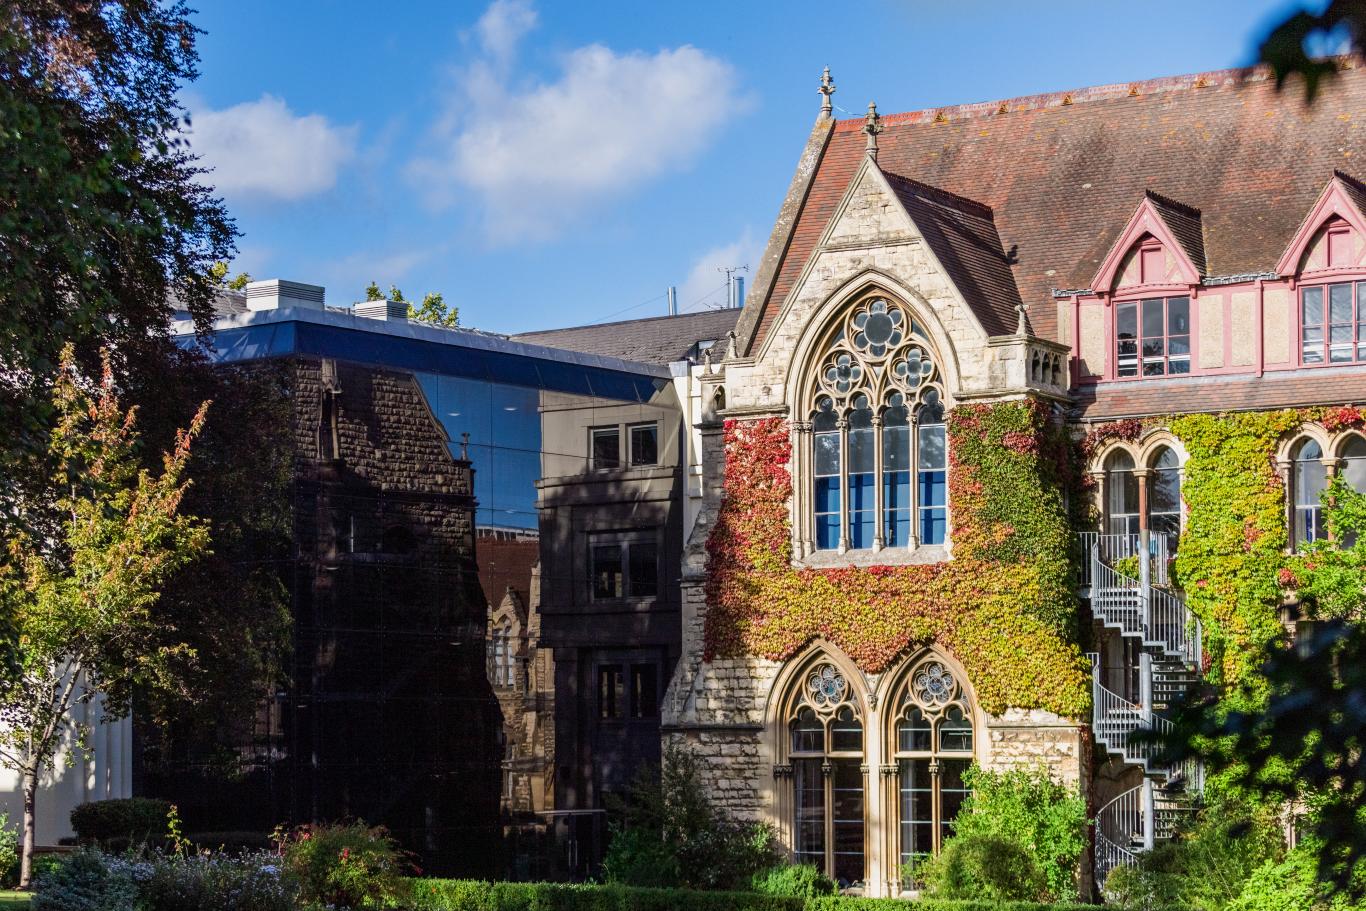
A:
(930, 189)
(1348, 178)
(1170, 203)
(1067, 97)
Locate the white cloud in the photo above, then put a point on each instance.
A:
(262, 148)
(705, 286)
(540, 154)
(502, 26)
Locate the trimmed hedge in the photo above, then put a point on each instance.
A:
(473, 895)
(131, 821)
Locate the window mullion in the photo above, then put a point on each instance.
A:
(843, 424)
(913, 460)
(879, 522)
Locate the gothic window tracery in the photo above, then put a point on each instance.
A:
(825, 749)
(879, 448)
(932, 743)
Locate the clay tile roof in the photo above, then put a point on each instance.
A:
(963, 236)
(654, 340)
(1354, 188)
(1062, 172)
(1184, 223)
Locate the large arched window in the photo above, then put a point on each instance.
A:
(1164, 497)
(1354, 463)
(1121, 495)
(933, 746)
(879, 451)
(1309, 480)
(825, 746)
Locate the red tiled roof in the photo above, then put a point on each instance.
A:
(1229, 392)
(1063, 172)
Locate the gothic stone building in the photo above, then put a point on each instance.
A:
(982, 339)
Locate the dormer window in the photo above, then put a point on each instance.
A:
(1153, 336)
(1333, 323)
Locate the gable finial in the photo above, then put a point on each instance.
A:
(827, 89)
(872, 125)
(1021, 321)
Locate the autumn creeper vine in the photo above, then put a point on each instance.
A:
(1003, 606)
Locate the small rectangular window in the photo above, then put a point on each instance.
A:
(1153, 337)
(1311, 325)
(606, 446)
(1126, 330)
(644, 691)
(1340, 324)
(645, 444)
(607, 571)
(643, 569)
(611, 695)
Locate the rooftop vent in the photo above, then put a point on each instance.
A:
(382, 309)
(278, 294)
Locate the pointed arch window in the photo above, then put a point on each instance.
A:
(933, 745)
(879, 450)
(825, 747)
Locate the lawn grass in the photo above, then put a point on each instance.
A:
(13, 901)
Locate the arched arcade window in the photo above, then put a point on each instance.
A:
(1121, 495)
(1309, 479)
(1164, 497)
(879, 451)
(933, 747)
(825, 748)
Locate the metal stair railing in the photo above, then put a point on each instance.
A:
(1119, 547)
(1120, 832)
(1158, 617)
(1115, 720)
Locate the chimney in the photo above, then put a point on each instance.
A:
(382, 310)
(738, 293)
(278, 294)
(673, 301)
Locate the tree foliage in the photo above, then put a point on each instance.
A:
(433, 309)
(104, 220)
(669, 834)
(80, 576)
(1288, 47)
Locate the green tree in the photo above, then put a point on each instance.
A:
(219, 273)
(104, 218)
(1297, 731)
(81, 575)
(433, 309)
(1287, 47)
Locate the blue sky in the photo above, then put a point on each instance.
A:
(556, 163)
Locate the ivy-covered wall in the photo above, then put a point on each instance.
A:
(1233, 562)
(1003, 606)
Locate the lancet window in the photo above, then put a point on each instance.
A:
(932, 742)
(879, 450)
(825, 748)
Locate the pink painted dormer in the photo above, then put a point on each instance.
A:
(1326, 264)
(1157, 307)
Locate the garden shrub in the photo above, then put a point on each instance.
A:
(471, 895)
(230, 842)
(134, 820)
(1028, 808)
(1207, 865)
(9, 852)
(669, 834)
(984, 867)
(346, 865)
(793, 880)
(200, 882)
(87, 880)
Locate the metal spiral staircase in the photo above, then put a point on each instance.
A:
(1125, 577)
